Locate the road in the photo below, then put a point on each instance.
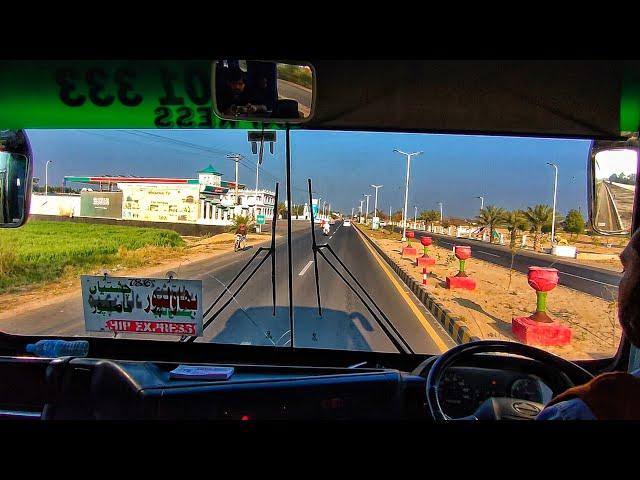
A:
(302, 95)
(592, 280)
(345, 322)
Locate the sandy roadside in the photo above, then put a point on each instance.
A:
(197, 249)
(488, 310)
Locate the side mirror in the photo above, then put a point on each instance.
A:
(16, 170)
(263, 91)
(612, 183)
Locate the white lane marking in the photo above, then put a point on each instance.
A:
(306, 267)
(487, 253)
(330, 237)
(590, 279)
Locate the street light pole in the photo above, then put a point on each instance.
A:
(367, 211)
(415, 216)
(46, 177)
(406, 191)
(553, 219)
(375, 203)
(440, 203)
(481, 201)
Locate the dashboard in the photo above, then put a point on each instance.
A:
(100, 388)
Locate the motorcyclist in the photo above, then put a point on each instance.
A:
(326, 228)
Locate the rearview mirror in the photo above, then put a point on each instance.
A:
(15, 179)
(613, 174)
(263, 91)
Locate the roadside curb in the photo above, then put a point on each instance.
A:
(456, 327)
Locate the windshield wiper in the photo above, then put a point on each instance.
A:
(384, 323)
(271, 252)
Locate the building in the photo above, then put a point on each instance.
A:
(205, 200)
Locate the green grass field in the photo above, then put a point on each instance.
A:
(44, 251)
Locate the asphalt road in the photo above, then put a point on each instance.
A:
(292, 91)
(345, 322)
(592, 280)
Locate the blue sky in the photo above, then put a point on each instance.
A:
(509, 172)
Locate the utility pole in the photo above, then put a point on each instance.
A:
(406, 191)
(236, 157)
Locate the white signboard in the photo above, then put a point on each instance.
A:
(142, 305)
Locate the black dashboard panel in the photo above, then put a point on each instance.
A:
(102, 389)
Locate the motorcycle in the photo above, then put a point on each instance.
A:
(326, 229)
(238, 242)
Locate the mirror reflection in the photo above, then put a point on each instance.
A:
(13, 182)
(615, 184)
(257, 90)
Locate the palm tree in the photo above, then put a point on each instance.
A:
(240, 219)
(538, 216)
(515, 221)
(491, 216)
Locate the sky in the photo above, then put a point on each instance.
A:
(510, 172)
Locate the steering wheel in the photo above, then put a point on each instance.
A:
(505, 408)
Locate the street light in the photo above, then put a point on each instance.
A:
(361, 202)
(481, 201)
(46, 177)
(553, 219)
(415, 216)
(406, 191)
(440, 203)
(367, 211)
(375, 203)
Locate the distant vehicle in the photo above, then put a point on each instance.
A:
(347, 223)
(332, 222)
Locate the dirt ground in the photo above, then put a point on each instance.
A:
(157, 263)
(502, 294)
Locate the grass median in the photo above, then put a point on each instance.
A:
(42, 251)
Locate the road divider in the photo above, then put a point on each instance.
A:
(454, 326)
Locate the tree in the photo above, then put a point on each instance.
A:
(515, 221)
(380, 214)
(574, 223)
(538, 216)
(430, 216)
(282, 209)
(397, 216)
(240, 219)
(491, 216)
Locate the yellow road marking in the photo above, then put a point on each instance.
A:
(425, 323)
